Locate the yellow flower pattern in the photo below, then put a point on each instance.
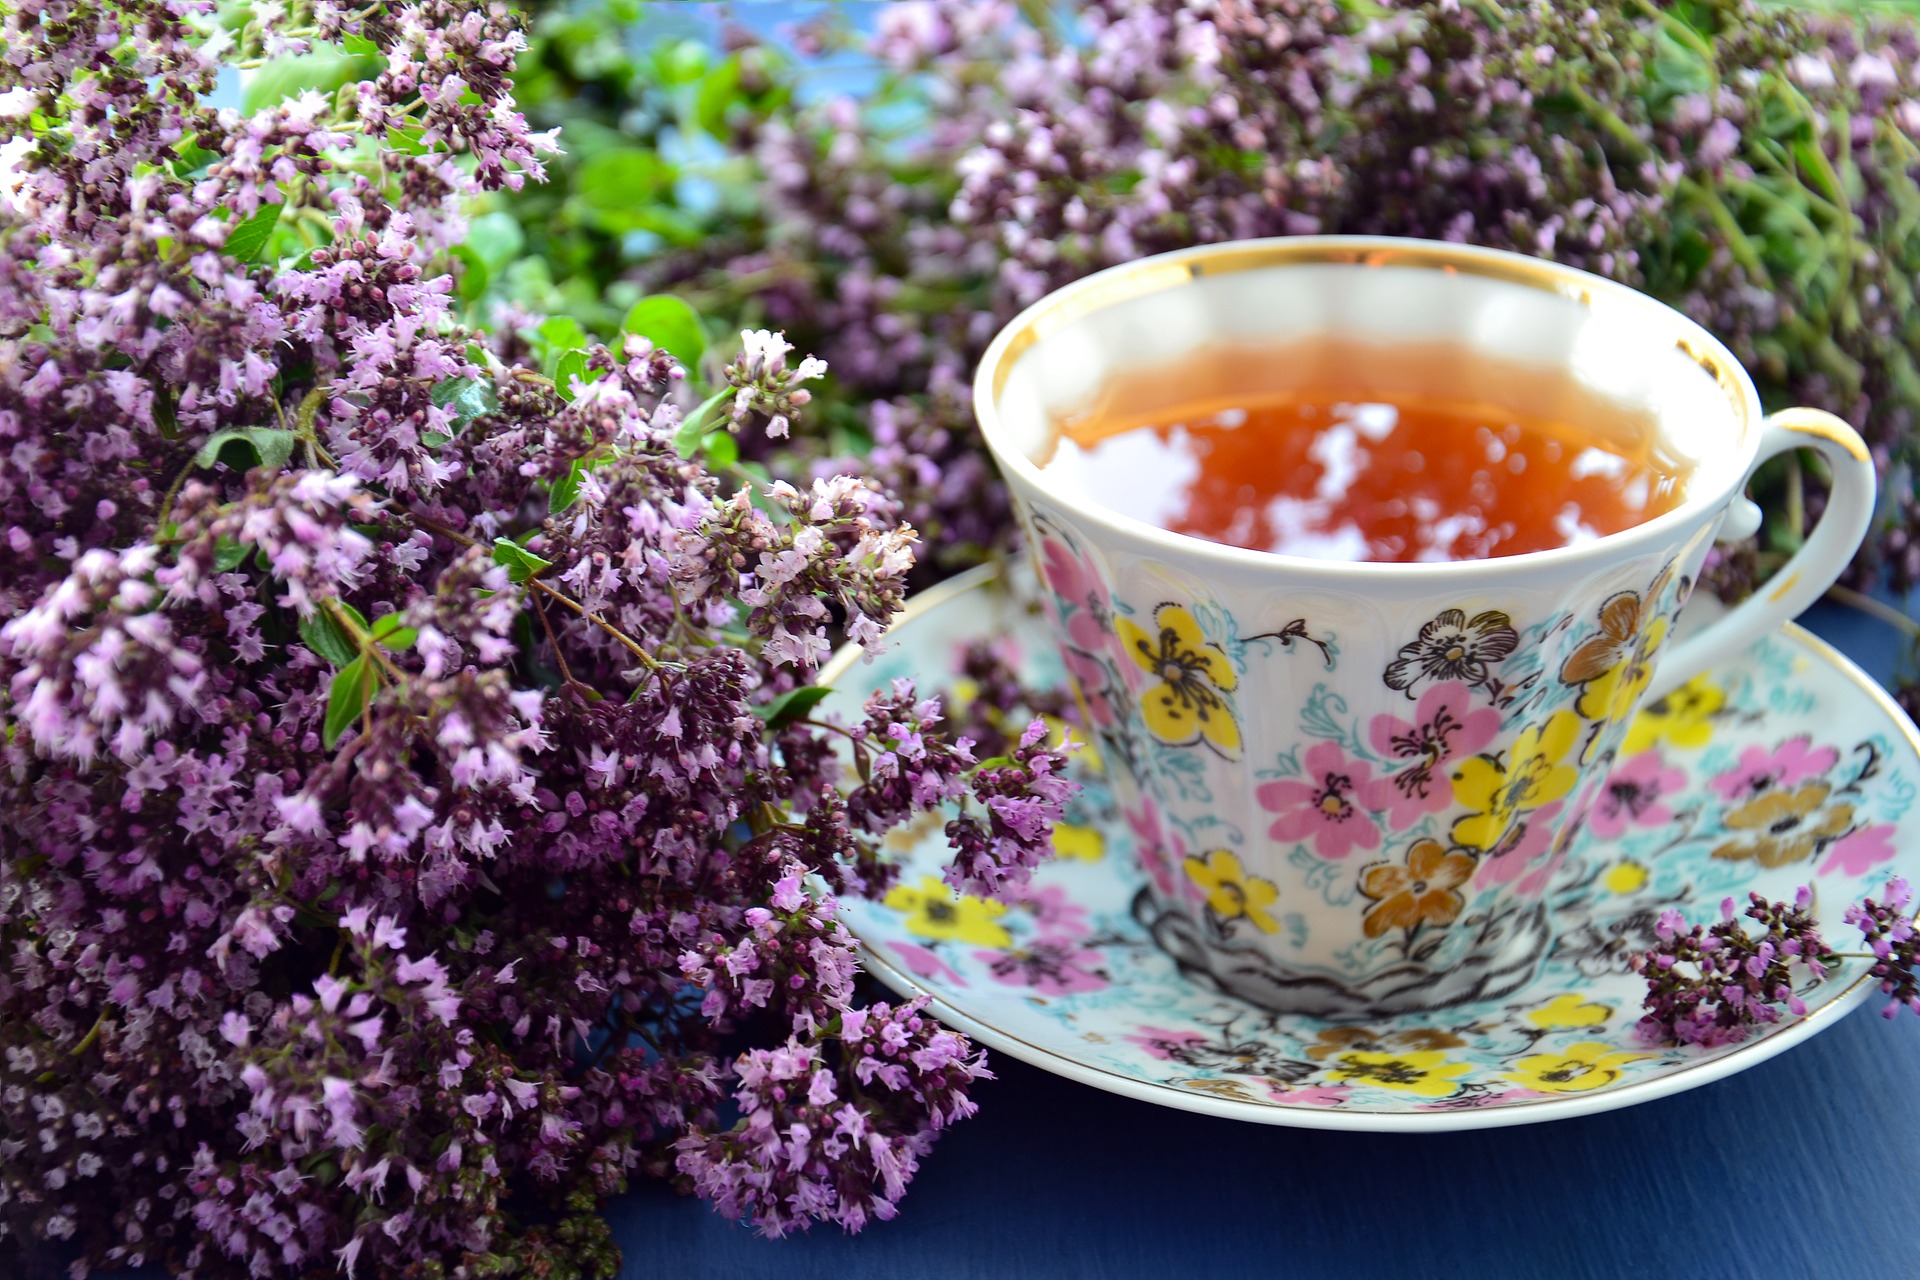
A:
(1575, 1069)
(1536, 772)
(1566, 1012)
(1428, 1075)
(1232, 894)
(1078, 844)
(1616, 693)
(1683, 718)
(1185, 703)
(1625, 877)
(935, 911)
(1613, 665)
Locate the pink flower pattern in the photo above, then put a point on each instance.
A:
(1051, 966)
(1761, 770)
(1445, 727)
(1052, 911)
(923, 963)
(1328, 807)
(1160, 852)
(1633, 794)
(1859, 851)
(1090, 675)
(1514, 855)
(1075, 582)
(1163, 1044)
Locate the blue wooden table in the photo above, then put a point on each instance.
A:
(1802, 1167)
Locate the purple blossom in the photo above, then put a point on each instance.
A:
(1710, 986)
(1023, 794)
(1889, 931)
(396, 830)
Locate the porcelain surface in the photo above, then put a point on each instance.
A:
(1352, 782)
(1784, 767)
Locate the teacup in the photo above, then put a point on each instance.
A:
(1351, 783)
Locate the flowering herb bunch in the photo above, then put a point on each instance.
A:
(1711, 985)
(415, 816)
(1753, 166)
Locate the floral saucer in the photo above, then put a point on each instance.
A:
(1785, 767)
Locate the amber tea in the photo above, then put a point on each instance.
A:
(1339, 449)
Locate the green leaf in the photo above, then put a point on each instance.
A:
(324, 69)
(793, 705)
(521, 563)
(671, 324)
(388, 632)
(474, 272)
(360, 45)
(246, 242)
(464, 398)
(620, 180)
(323, 635)
(719, 90)
(351, 690)
(562, 333)
(244, 448)
(409, 142)
(190, 159)
(568, 367)
(687, 436)
(496, 238)
(722, 450)
(229, 555)
(566, 490)
(435, 439)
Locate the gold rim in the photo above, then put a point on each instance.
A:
(1843, 1001)
(1662, 325)
(1156, 274)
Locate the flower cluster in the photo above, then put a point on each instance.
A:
(763, 383)
(1891, 936)
(804, 1150)
(408, 780)
(1643, 143)
(1711, 985)
(1023, 794)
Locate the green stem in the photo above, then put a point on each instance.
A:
(1876, 608)
(369, 647)
(1738, 244)
(87, 1041)
(1796, 497)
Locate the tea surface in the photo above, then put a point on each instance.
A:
(1369, 455)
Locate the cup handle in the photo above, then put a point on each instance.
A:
(1812, 569)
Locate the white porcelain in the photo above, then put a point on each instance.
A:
(1785, 742)
(1356, 778)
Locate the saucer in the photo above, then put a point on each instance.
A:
(1788, 762)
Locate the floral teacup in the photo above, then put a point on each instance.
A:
(1352, 782)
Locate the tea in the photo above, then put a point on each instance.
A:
(1345, 450)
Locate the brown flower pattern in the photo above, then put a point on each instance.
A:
(1421, 892)
(1786, 826)
(1334, 1041)
(1611, 645)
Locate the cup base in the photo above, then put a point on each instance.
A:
(1506, 954)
